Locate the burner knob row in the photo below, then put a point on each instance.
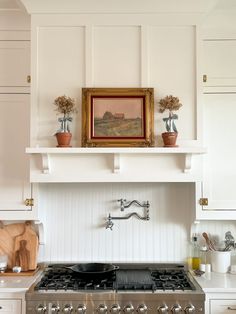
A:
(142, 308)
(68, 308)
(176, 309)
(127, 309)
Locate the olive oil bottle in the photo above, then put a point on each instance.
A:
(194, 260)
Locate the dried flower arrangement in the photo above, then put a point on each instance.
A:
(171, 104)
(66, 106)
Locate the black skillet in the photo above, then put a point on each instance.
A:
(93, 269)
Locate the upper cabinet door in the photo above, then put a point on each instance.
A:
(15, 188)
(219, 163)
(219, 65)
(15, 66)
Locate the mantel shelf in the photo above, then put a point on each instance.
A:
(117, 153)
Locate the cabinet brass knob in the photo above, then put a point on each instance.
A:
(29, 202)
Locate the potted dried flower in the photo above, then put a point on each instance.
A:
(171, 104)
(66, 106)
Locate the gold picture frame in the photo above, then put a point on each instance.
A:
(117, 117)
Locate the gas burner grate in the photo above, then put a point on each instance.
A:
(65, 279)
(167, 279)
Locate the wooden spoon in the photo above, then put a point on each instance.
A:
(209, 242)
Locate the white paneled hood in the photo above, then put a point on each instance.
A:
(114, 43)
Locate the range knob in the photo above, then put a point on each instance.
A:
(163, 309)
(41, 309)
(115, 308)
(68, 308)
(129, 308)
(81, 309)
(102, 308)
(176, 309)
(142, 308)
(189, 309)
(55, 308)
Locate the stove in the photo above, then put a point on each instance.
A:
(132, 288)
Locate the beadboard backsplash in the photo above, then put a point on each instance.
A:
(74, 217)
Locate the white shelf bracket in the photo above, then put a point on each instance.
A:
(188, 163)
(45, 163)
(116, 163)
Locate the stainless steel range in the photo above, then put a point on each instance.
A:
(123, 288)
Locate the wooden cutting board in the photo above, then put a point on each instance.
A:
(7, 239)
(26, 249)
(9, 272)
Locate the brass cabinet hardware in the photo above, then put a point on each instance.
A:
(28, 79)
(203, 201)
(204, 78)
(29, 202)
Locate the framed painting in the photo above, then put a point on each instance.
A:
(117, 117)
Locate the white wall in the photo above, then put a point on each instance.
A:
(74, 217)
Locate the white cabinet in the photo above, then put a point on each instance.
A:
(218, 186)
(15, 66)
(219, 64)
(10, 306)
(220, 303)
(222, 306)
(15, 187)
(16, 192)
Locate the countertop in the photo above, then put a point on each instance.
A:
(16, 283)
(216, 282)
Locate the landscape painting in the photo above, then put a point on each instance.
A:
(117, 117)
(121, 117)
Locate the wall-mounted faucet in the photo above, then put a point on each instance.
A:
(123, 205)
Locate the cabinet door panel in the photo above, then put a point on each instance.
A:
(14, 164)
(222, 306)
(219, 163)
(14, 63)
(10, 306)
(219, 62)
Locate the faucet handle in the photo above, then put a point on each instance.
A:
(122, 200)
(122, 203)
(109, 223)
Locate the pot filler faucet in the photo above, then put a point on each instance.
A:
(124, 204)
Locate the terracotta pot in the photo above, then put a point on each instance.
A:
(169, 139)
(63, 139)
